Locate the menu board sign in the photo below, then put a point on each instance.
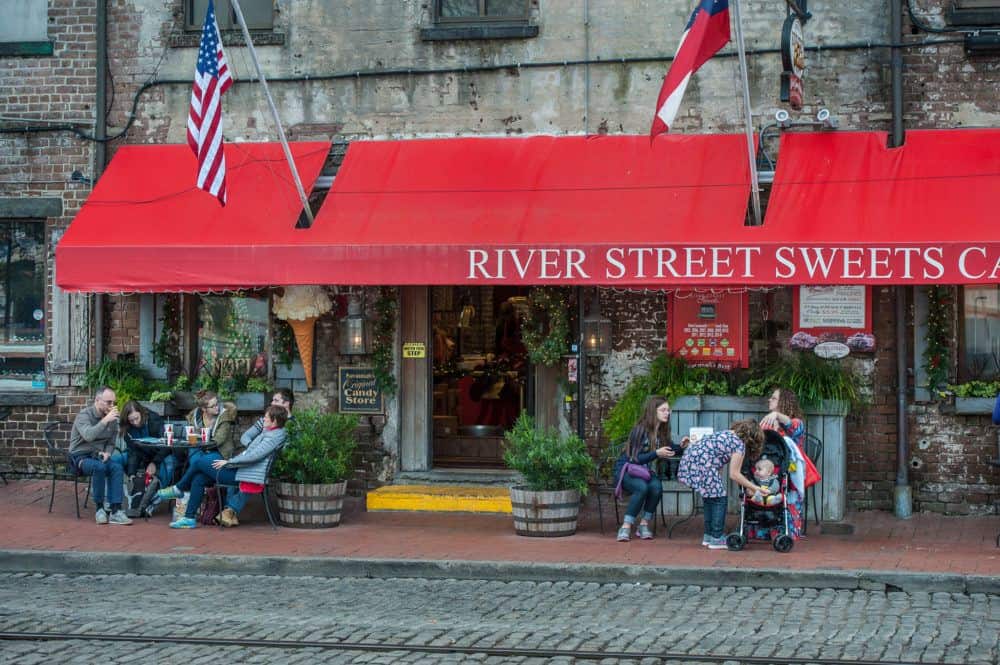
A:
(359, 392)
(840, 314)
(709, 329)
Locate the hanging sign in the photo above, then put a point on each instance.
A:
(831, 320)
(709, 329)
(359, 392)
(793, 61)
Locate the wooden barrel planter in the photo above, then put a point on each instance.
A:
(544, 514)
(310, 506)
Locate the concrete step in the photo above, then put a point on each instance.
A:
(441, 498)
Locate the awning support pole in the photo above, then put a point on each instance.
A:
(274, 111)
(754, 184)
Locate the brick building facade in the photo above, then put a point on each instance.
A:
(361, 70)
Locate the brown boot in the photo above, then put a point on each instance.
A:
(228, 517)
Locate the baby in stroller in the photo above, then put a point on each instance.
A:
(765, 509)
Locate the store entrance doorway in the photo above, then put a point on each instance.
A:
(480, 374)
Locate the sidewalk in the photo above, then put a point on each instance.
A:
(928, 544)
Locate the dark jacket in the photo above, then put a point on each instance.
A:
(638, 451)
(153, 427)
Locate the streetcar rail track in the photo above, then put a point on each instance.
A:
(339, 645)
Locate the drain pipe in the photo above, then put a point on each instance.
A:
(100, 148)
(581, 366)
(903, 493)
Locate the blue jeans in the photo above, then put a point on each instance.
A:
(201, 479)
(715, 515)
(643, 494)
(106, 480)
(199, 461)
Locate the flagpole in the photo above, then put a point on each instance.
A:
(274, 111)
(754, 183)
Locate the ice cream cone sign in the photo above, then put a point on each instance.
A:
(300, 306)
(305, 335)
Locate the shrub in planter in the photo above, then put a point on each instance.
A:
(555, 470)
(313, 467)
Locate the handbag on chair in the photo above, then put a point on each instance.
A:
(639, 471)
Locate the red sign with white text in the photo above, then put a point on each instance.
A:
(709, 329)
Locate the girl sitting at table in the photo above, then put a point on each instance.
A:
(137, 422)
(246, 470)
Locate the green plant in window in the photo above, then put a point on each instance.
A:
(255, 384)
(127, 378)
(811, 378)
(988, 389)
(283, 342)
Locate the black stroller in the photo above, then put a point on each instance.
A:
(769, 517)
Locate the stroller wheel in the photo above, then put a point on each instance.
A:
(735, 542)
(783, 543)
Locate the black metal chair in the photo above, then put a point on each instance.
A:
(57, 432)
(4, 414)
(265, 495)
(813, 447)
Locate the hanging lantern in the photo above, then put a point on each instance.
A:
(596, 330)
(354, 334)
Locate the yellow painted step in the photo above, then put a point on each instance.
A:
(441, 498)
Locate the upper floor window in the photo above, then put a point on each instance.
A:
(25, 28)
(464, 11)
(259, 14)
(974, 12)
(480, 19)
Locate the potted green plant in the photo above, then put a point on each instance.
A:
(312, 469)
(126, 377)
(555, 469)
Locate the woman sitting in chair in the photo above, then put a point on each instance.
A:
(246, 470)
(648, 440)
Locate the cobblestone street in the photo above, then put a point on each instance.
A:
(642, 619)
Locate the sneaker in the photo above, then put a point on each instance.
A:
(184, 523)
(623, 534)
(705, 540)
(717, 543)
(101, 516)
(168, 493)
(119, 517)
(228, 517)
(644, 532)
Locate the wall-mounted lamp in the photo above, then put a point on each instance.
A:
(823, 118)
(354, 332)
(596, 330)
(782, 118)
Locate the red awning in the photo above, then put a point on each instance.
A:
(538, 210)
(146, 227)
(845, 209)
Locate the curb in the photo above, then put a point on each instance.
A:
(103, 563)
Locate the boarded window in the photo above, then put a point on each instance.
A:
(259, 14)
(449, 11)
(25, 21)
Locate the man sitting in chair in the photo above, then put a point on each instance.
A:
(91, 446)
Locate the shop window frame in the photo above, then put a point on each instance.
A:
(481, 26)
(965, 370)
(191, 328)
(32, 350)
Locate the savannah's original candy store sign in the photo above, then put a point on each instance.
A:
(724, 264)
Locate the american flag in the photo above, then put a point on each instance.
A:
(211, 79)
(706, 33)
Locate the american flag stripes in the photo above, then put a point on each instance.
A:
(211, 79)
(706, 33)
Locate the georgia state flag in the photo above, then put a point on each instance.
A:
(706, 33)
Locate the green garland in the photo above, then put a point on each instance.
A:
(937, 356)
(283, 342)
(166, 349)
(546, 329)
(383, 339)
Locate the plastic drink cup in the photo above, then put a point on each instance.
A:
(169, 435)
(190, 434)
(204, 435)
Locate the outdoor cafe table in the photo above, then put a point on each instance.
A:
(153, 444)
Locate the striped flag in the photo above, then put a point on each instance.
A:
(706, 33)
(211, 79)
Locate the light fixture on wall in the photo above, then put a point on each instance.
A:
(354, 333)
(596, 329)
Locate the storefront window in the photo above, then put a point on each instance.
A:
(232, 341)
(980, 351)
(22, 303)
